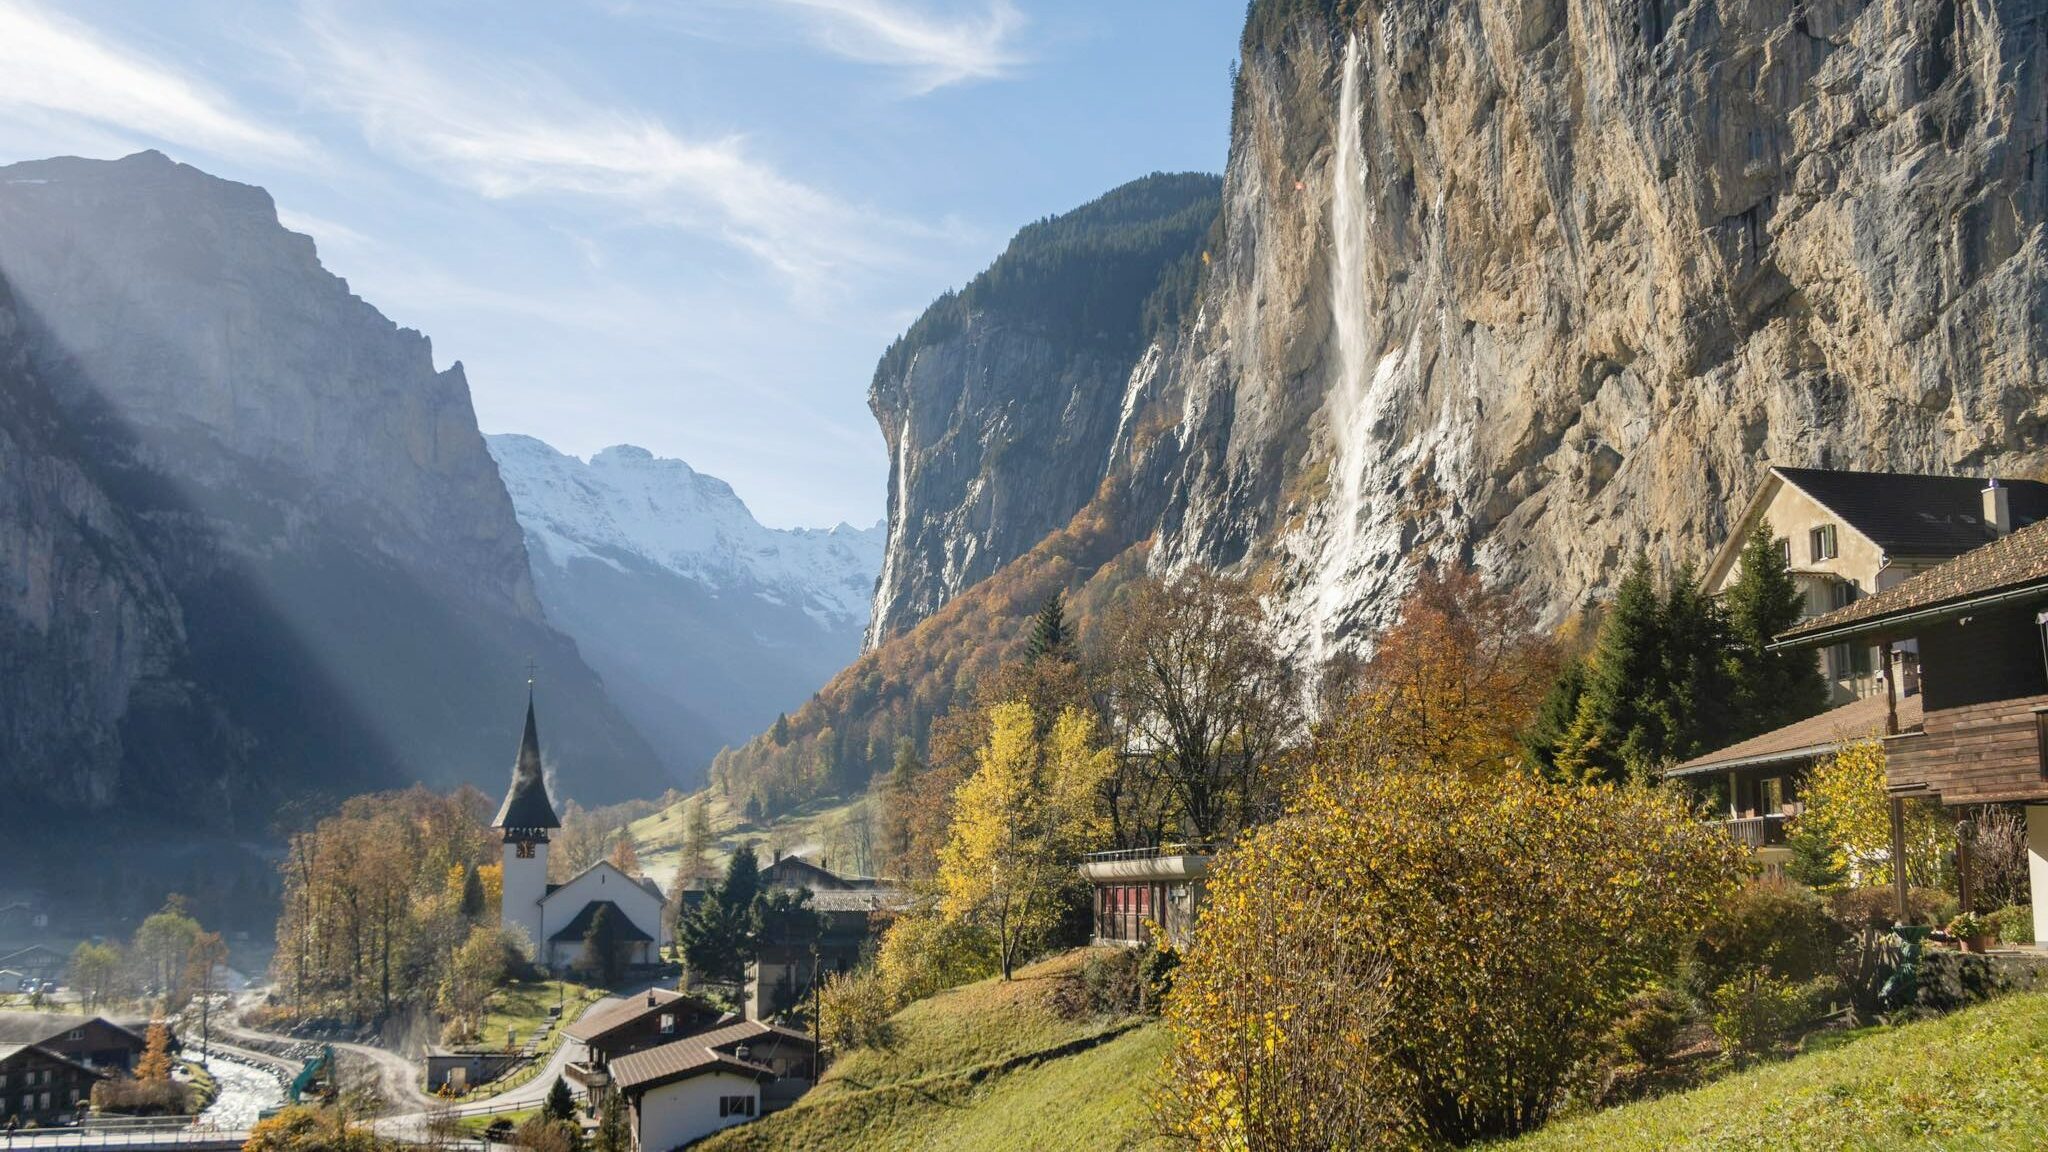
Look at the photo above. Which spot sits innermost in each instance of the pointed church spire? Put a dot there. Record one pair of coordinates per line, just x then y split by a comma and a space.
527, 806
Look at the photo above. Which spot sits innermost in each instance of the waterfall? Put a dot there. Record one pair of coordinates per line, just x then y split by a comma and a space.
1350, 420
899, 523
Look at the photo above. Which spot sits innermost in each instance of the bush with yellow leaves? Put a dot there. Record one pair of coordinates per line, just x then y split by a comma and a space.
1412, 957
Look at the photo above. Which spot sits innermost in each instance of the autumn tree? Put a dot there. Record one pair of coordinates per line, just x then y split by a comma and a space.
1201, 694
1008, 865
95, 969
1494, 926
155, 1062
162, 943
625, 857
472, 974
698, 841
1452, 684
1848, 810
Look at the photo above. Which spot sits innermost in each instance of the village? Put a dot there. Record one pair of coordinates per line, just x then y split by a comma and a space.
1873, 856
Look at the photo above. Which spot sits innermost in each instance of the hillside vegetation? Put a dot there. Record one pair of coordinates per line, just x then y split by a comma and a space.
1975, 1080
994, 1065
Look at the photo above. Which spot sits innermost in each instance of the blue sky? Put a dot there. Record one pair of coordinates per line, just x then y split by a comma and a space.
692, 225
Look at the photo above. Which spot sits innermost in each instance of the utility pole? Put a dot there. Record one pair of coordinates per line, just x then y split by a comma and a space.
817, 1019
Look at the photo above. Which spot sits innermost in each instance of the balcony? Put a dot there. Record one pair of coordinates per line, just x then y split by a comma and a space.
1758, 831
1166, 862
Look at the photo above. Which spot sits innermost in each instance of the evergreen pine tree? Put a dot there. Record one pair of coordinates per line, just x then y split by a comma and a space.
560, 1105
780, 731
1698, 692
1772, 689
717, 936
1554, 716
1050, 633
1622, 715
613, 1133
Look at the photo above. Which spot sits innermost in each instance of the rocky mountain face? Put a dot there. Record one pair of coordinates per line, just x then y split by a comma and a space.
251, 542
704, 623
1544, 283
1000, 404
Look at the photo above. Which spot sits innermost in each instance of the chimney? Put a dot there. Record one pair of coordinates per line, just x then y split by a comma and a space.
1997, 508
650, 997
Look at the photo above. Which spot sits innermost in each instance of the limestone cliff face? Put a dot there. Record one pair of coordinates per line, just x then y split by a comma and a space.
1000, 404
320, 579
1543, 283
1605, 259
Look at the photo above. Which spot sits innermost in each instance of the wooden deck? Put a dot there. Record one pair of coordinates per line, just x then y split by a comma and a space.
1976, 754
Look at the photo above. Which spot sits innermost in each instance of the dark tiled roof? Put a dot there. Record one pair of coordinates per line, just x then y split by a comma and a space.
599, 1021
1805, 739
36, 1027
2009, 564
623, 927
526, 801
1911, 515
703, 1052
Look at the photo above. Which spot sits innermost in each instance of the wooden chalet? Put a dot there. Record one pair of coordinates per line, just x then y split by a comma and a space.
1980, 627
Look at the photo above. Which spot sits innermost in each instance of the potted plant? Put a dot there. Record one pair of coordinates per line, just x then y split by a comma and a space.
1973, 930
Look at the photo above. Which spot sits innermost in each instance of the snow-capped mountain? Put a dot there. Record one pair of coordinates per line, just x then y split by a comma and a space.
703, 622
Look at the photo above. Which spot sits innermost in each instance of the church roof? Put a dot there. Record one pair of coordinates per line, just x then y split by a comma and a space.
623, 927
526, 801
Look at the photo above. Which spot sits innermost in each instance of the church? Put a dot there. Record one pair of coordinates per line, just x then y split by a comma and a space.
556, 918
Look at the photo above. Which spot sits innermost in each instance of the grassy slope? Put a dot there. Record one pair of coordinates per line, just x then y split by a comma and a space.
659, 838
1975, 1080
988, 1066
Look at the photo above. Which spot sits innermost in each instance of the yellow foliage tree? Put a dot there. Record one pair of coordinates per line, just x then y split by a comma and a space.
1848, 809
1416, 956
155, 1063
1016, 824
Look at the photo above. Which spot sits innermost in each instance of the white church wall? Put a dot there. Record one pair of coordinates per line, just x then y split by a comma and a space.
602, 881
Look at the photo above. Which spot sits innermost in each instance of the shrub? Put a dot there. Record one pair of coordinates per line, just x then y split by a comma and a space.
1110, 982
131, 1097
1771, 924
1650, 1025
1998, 857
1877, 907
1754, 1011
1968, 926
925, 954
1397, 961
854, 1010
301, 1129
2014, 924
546, 1134
1866, 962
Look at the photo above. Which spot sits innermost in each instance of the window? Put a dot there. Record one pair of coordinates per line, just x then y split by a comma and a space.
668, 1023
735, 1106
75, 1034
1785, 550
1821, 543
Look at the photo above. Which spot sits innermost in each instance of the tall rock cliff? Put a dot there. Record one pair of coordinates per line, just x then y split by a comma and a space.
317, 576
1543, 283
704, 623
999, 405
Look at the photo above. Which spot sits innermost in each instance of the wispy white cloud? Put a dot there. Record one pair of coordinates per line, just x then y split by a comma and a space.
506, 129
54, 67
932, 50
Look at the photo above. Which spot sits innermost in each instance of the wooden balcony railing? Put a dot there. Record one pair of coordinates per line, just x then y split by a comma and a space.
1757, 831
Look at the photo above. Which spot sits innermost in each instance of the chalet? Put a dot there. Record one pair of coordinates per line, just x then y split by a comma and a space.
851, 910
40, 1088
678, 1092
657, 1017
1849, 535
1763, 776
37, 961
1979, 625
1138, 889
92, 1041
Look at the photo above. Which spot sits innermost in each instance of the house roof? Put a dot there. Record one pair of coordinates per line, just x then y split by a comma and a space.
526, 803
707, 1051
2012, 567
861, 900
1907, 514
641, 882
622, 925
9, 1051
1806, 739
599, 1021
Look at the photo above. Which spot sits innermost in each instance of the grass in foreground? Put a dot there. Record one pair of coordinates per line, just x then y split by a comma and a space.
989, 1066
1976, 1080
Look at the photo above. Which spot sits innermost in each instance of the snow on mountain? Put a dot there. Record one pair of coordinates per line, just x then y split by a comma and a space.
703, 622
626, 503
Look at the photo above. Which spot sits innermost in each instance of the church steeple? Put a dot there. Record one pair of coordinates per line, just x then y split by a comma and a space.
527, 808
